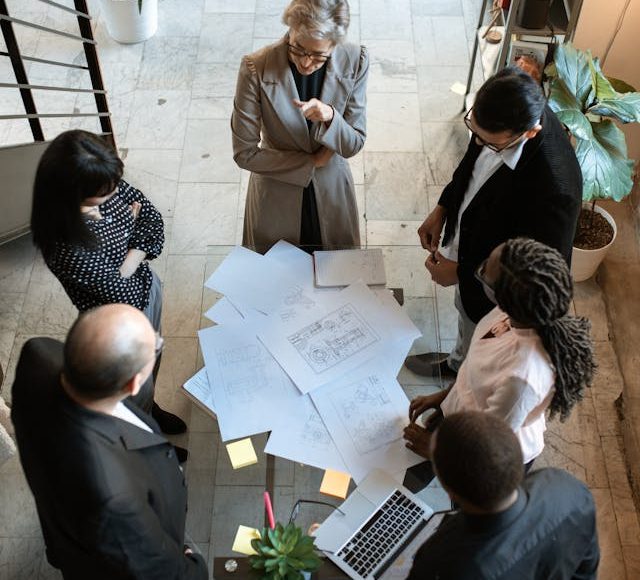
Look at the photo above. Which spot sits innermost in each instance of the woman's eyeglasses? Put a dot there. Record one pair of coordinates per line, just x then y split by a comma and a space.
301, 53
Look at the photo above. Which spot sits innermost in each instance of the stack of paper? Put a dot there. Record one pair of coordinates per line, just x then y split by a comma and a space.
315, 366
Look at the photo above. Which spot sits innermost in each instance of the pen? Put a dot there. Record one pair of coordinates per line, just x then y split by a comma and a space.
267, 506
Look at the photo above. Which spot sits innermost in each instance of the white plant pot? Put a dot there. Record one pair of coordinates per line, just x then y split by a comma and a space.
584, 263
125, 24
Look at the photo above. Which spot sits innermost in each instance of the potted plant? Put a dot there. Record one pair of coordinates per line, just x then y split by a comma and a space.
130, 21
589, 104
284, 553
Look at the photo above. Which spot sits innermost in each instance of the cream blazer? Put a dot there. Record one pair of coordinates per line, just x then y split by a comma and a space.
271, 139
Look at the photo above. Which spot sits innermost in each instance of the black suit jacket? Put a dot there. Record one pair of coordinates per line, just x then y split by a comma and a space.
548, 534
111, 497
539, 199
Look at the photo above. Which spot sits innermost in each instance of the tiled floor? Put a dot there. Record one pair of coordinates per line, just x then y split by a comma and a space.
171, 99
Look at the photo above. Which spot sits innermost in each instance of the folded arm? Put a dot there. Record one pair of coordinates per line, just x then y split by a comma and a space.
294, 167
346, 133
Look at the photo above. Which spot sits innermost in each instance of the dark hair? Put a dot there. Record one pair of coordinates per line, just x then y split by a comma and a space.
478, 457
534, 287
100, 375
509, 101
76, 165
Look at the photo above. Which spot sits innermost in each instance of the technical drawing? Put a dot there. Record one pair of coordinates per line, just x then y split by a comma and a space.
334, 338
246, 372
294, 302
314, 433
367, 413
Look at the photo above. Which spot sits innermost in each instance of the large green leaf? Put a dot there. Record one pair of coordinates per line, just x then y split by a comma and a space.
603, 88
573, 67
624, 107
606, 171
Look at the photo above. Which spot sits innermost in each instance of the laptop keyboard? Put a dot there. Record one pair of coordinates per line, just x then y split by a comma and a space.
381, 534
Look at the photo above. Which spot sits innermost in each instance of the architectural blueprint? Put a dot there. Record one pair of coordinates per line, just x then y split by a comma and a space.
335, 337
248, 385
300, 435
331, 339
366, 412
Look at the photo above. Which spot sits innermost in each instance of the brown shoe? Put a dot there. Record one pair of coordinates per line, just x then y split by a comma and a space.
430, 364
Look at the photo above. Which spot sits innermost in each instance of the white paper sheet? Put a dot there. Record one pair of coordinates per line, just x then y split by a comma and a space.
223, 312
325, 343
251, 279
299, 434
249, 387
199, 387
366, 412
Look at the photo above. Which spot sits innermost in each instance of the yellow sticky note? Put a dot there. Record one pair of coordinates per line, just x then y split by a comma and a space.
242, 543
335, 483
242, 453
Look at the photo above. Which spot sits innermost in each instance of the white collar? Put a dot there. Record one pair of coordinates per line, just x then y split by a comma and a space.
511, 155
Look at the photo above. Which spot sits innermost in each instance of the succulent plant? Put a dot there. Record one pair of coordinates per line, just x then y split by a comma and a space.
283, 553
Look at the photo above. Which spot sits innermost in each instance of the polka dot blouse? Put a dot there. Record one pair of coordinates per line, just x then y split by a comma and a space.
91, 277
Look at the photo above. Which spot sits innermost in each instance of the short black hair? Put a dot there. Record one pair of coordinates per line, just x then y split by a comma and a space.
510, 100
102, 376
75, 166
478, 457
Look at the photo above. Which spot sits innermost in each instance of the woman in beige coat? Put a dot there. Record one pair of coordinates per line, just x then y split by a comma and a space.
299, 113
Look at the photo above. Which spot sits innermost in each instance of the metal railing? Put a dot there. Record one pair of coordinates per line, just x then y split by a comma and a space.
22, 84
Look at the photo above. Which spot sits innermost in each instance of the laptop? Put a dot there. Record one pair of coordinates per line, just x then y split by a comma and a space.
372, 527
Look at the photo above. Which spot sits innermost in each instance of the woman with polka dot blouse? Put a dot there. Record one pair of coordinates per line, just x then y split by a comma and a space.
97, 233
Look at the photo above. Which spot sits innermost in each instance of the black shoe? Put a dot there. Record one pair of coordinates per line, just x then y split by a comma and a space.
168, 422
430, 364
181, 453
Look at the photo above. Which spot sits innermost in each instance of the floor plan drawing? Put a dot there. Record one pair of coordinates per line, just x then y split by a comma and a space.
249, 371
367, 414
333, 338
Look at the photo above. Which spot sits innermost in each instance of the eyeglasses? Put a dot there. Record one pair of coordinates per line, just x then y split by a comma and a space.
301, 53
480, 272
492, 146
159, 344
296, 507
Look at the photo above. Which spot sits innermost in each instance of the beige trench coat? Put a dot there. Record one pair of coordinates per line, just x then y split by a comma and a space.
271, 139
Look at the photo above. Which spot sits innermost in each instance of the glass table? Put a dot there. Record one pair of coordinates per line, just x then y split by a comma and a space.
221, 498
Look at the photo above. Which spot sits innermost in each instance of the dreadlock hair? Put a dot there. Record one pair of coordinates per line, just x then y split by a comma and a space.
534, 288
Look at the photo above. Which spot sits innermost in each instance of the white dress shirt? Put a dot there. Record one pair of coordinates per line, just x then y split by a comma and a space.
510, 375
487, 163
125, 414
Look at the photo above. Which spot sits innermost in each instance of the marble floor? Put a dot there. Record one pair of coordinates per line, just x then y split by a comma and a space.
171, 99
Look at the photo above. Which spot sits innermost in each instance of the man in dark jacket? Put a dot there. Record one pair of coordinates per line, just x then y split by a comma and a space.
540, 528
110, 493
519, 177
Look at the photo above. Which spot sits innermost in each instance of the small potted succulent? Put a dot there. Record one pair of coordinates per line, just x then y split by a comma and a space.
284, 553
130, 21
591, 105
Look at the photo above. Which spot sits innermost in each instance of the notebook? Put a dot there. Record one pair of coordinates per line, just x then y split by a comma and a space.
344, 267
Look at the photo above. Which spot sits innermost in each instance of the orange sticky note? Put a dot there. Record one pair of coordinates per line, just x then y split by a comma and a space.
335, 483
242, 453
242, 543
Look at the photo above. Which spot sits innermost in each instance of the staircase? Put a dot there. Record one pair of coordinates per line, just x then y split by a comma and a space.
45, 88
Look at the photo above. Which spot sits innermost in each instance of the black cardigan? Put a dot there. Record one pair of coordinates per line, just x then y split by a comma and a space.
539, 199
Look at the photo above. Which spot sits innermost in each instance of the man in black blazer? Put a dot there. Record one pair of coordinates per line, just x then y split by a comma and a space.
538, 528
519, 177
110, 493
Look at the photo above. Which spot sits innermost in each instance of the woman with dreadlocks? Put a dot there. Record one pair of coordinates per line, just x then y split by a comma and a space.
526, 356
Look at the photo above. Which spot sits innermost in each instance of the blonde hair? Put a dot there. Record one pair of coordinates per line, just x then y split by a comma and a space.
318, 19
